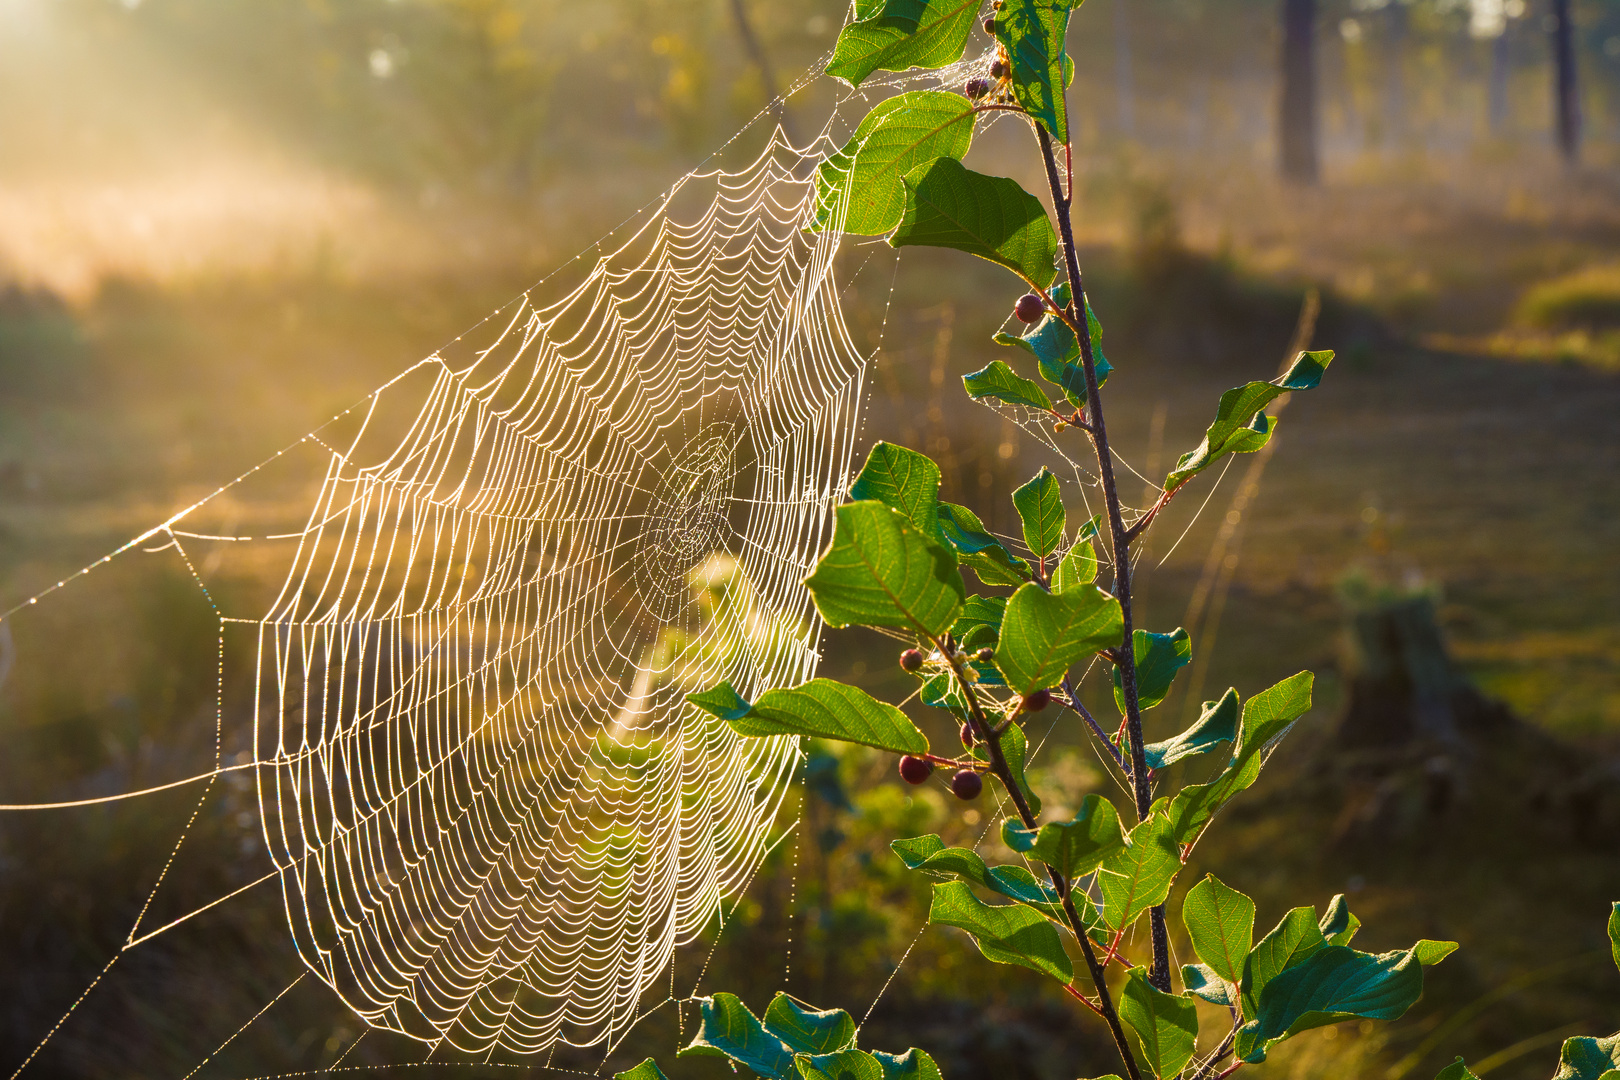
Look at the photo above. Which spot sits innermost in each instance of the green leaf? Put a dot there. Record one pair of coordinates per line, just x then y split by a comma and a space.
1266, 716
1200, 980
1166, 1024
1073, 847
1430, 953
914, 1064
1043, 634
848, 1064
978, 550
905, 481
894, 138
979, 625
881, 570
1339, 924
729, 1030
1291, 941
988, 216
1033, 33
1011, 934
1139, 875
647, 1070
1586, 1058
824, 709
1220, 922
722, 701
806, 1030
1078, 566
1240, 427
1040, 508
1218, 723
929, 856
901, 34
1001, 382
1057, 351
1614, 933
1158, 658
1456, 1071
1015, 749
1335, 983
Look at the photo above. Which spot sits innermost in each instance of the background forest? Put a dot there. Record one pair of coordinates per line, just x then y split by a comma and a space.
223, 220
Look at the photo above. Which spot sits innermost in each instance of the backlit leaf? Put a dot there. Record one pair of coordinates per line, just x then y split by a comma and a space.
850, 1064
898, 34
929, 856
1057, 351
997, 380
1456, 1071
806, 1030
1139, 875
647, 1070
1015, 749
1335, 983
914, 1064
728, 1029
882, 570
1614, 933
1040, 508
1073, 847
1033, 33
1201, 981
1043, 634
1586, 1058
822, 708
1339, 924
1217, 723
978, 551
1291, 941
1078, 566
895, 137
1158, 658
1009, 934
988, 216
902, 480
1220, 922
1165, 1024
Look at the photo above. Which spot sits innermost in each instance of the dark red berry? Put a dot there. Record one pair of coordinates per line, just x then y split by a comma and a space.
985, 655
914, 770
912, 660
990, 27
967, 784
977, 88
1030, 308
998, 70
1038, 700
967, 736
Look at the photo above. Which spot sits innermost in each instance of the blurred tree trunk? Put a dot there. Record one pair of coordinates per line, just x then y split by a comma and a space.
762, 60
1566, 96
1395, 75
1297, 121
1124, 87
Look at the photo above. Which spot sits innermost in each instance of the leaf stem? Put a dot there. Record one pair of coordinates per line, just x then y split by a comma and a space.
1159, 971
991, 737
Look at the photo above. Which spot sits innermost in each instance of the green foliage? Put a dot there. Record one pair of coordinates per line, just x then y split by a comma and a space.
1015, 750
1217, 723
1078, 566
978, 551
989, 216
844, 1065
881, 570
1456, 1071
997, 380
821, 708
727, 1029
895, 137
1586, 1058
1040, 510
1201, 981
1056, 350
1614, 933
647, 1070
1220, 922
912, 1065
1240, 427
929, 856
1033, 33
905, 481
1291, 941
1158, 658
979, 625
1138, 875
1074, 847
893, 35
1009, 934
1043, 634
807, 1030
795, 1042
1165, 1024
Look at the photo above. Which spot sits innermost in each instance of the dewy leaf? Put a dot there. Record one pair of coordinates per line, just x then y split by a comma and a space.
1015, 749
903, 480
1218, 723
728, 1029
914, 1064
1078, 566
978, 551
1614, 933
1339, 924
881, 570
1073, 847
1220, 922
1240, 426
929, 856
900, 34
822, 708
1201, 981
1007, 935
1040, 509
1266, 716
894, 138
1166, 1024
1033, 33
1139, 875
1158, 658
1335, 983
1291, 941
647, 1070
988, 216
1456, 1071
806, 1030
1586, 1058
850, 1064
1043, 634
1057, 351
1001, 382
